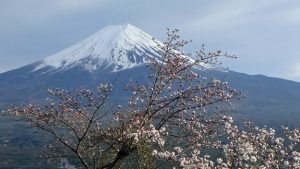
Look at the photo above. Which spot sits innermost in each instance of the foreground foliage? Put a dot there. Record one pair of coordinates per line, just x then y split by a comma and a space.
178, 120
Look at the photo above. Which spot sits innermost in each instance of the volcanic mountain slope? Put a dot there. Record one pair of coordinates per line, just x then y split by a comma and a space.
112, 50
119, 53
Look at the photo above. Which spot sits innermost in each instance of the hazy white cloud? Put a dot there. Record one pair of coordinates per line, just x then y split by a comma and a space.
289, 15
33, 12
226, 14
218, 19
297, 71
294, 72
75, 4
45, 6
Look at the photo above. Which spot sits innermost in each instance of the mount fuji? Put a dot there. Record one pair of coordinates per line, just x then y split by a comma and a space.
118, 53
114, 48
113, 52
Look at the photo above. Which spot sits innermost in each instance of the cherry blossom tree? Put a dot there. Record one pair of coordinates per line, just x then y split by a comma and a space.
177, 120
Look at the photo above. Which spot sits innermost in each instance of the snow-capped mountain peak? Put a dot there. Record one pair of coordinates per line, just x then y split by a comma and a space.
114, 47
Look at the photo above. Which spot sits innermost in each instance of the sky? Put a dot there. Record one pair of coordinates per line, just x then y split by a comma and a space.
263, 34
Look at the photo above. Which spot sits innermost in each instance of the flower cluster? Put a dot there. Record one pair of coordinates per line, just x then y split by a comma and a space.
147, 133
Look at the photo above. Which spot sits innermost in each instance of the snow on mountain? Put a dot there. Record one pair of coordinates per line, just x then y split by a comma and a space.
116, 47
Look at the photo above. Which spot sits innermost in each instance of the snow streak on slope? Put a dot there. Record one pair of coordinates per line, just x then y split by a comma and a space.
115, 47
